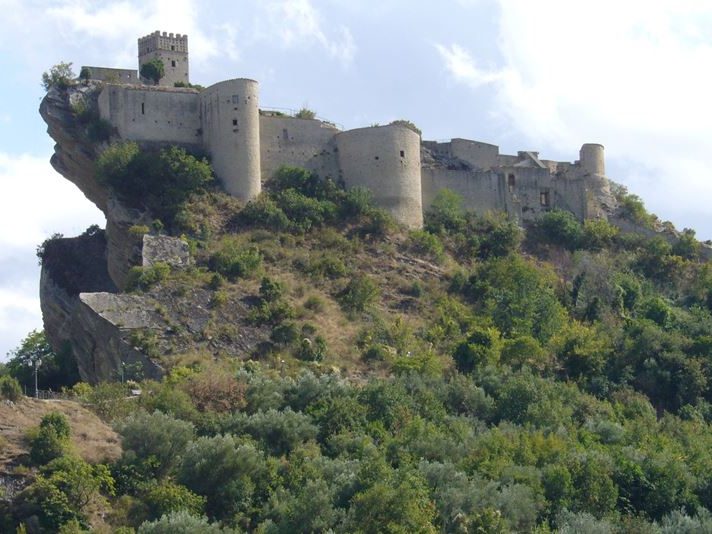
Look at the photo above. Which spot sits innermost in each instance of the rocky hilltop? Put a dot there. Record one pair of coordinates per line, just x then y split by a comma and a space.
110, 331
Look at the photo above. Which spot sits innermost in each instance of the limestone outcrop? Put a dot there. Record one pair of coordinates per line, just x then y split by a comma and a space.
74, 155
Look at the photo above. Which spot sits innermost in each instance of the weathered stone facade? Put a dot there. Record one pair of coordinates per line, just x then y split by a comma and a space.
248, 145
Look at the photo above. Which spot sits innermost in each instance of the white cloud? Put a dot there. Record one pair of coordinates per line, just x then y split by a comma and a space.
299, 23
35, 202
628, 74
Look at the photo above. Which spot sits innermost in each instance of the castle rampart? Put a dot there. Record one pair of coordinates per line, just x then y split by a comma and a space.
386, 160
144, 113
303, 143
403, 173
231, 133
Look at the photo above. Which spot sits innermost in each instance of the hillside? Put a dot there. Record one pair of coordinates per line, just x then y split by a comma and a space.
308, 365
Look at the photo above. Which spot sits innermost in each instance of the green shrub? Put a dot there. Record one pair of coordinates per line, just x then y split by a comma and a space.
598, 234
358, 293
10, 388
180, 522
60, 76
51, 440
423, 242
157, 436
561, 228
145, 341
144, 278
311, 350
166, 497
305, 113
161, 180
482, 347
446, 214
235, 261
314, 303
265, 213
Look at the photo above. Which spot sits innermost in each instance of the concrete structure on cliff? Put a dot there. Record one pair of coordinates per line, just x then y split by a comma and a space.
247, 145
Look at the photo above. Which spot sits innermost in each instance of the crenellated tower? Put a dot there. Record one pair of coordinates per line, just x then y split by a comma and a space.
169, 48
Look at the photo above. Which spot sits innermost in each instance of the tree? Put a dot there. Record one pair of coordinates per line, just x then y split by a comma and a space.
153, 70
51, 440
85, 75
59, 76
54, 369
157, 436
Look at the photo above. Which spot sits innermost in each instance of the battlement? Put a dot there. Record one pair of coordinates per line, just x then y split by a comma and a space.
162, 41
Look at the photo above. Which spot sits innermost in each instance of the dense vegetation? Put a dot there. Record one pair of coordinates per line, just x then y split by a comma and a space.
467, 377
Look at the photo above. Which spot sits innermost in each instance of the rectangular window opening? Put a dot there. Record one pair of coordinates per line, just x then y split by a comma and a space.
143, 108
544, 198
285, 134
402, 153
234, 122
173, 63
235, 99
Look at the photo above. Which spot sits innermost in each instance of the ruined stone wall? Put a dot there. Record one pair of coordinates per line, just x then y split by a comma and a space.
386, 160
481, 191
152, 114
231, 133
297, 142
106, 74
479, 155
524, 193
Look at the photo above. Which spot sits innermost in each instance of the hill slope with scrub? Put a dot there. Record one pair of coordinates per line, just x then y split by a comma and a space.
306, 365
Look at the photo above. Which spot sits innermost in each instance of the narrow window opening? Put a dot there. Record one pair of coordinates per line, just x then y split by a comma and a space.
173, 63
511, 182
235, 99
285, 134
402, 153
544, 198
143, 108
173, 48
234, 122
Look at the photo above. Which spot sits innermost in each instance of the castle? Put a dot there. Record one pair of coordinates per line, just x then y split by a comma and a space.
404, 173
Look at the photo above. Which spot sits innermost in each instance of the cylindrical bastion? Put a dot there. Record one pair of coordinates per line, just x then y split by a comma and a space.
386, 160
231, 133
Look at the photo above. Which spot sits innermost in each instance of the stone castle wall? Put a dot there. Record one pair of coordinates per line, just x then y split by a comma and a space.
303, 143
144, 113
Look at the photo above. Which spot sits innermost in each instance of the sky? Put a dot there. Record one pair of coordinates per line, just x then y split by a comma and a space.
547, 76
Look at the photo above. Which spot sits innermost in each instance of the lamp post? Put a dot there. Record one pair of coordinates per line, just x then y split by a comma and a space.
36, 364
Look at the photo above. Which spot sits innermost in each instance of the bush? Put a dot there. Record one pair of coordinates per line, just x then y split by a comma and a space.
161, 180
51, 440
425, 243
10, 388
166, 497
305, 113
446, 214
155, 436
235, 261
60, 76
561, 228
358, 293
144, 278
180, 522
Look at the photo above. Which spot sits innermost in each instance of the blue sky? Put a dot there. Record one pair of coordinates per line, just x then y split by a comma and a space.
546, 75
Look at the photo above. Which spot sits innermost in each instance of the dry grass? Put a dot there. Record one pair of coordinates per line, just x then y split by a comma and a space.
92, 439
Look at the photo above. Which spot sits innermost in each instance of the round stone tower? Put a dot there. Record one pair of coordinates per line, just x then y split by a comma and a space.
592, 160
386, 160
231, 133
